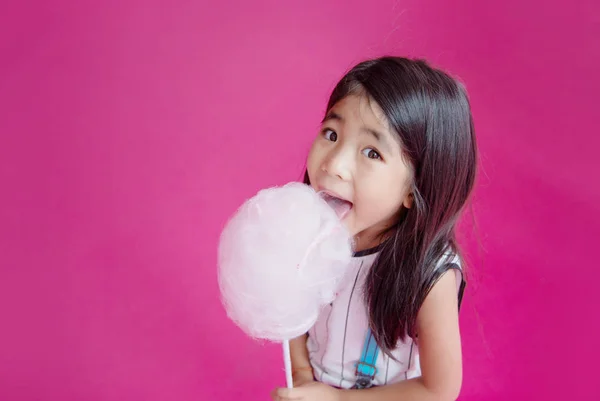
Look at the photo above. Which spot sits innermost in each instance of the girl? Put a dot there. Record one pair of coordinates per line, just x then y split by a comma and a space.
397, 147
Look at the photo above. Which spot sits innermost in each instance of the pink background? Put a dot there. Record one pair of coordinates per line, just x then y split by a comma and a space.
131, 131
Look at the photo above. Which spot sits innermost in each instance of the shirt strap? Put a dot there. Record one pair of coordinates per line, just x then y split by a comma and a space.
365, 368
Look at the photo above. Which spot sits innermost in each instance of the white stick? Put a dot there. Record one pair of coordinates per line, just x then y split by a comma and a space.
288, 364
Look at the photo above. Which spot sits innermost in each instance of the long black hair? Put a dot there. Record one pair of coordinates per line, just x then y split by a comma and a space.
430, 113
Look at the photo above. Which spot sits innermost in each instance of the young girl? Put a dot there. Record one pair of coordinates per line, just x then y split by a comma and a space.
396, 145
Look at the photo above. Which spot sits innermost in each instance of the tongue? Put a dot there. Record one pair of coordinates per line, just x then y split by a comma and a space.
340, 206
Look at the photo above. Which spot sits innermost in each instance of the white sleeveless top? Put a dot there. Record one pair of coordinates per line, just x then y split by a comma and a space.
335, 342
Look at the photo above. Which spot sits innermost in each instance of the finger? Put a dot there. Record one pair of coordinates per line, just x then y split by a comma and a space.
290, 393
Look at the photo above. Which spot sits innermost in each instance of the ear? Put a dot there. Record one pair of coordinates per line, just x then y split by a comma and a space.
408, 201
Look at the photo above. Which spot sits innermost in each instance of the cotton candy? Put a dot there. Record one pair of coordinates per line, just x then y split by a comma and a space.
281, 258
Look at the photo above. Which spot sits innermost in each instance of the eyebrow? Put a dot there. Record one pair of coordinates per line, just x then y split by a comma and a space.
379, 137
332, 116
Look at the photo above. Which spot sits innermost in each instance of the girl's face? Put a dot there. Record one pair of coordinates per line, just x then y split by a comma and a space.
357, 157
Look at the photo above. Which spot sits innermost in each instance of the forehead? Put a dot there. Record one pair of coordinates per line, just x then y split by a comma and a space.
361, 109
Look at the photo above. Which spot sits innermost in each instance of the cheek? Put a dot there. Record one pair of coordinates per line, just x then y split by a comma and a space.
313, 159
381, 199
373, 209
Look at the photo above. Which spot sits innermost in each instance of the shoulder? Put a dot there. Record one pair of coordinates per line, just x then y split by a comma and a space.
451, 264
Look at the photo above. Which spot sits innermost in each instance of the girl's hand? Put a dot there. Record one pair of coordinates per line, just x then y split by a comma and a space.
309, 391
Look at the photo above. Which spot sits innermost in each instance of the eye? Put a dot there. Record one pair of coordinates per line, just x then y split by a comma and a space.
330, 135
371, 153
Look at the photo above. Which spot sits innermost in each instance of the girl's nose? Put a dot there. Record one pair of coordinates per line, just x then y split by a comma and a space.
338, 164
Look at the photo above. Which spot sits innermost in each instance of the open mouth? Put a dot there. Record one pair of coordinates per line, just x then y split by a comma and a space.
341, 206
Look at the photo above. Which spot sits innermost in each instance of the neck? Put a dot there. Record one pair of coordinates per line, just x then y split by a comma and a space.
363, 242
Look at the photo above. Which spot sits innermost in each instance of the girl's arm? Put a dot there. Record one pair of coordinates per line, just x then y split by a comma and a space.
301, 369
440, 357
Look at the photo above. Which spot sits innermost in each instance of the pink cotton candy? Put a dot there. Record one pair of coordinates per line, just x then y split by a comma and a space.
282, 257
